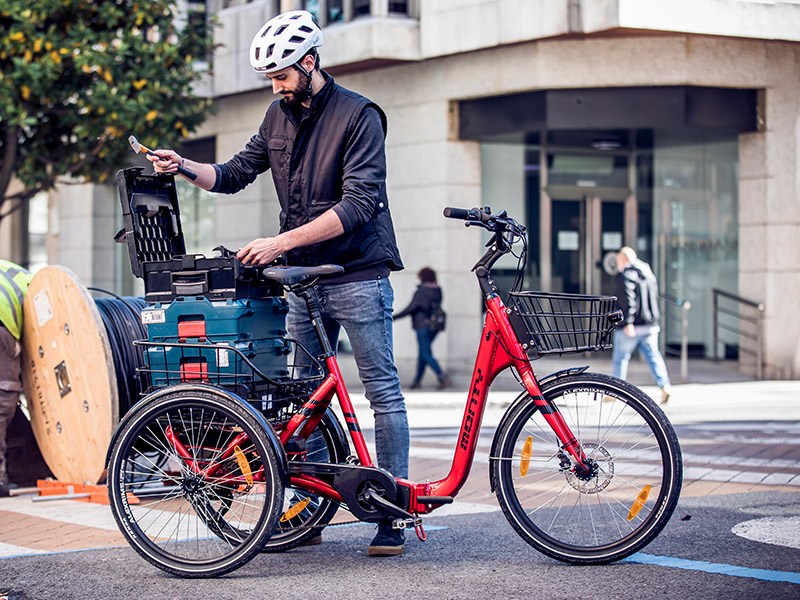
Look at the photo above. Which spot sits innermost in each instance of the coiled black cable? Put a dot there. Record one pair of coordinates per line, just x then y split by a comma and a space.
123, 322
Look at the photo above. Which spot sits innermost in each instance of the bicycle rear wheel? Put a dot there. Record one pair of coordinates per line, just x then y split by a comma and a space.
608, 513
193, 483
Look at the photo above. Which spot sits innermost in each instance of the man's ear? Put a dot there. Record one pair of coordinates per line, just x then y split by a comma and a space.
308, 62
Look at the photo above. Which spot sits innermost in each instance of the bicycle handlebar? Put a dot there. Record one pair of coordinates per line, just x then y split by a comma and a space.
483, 217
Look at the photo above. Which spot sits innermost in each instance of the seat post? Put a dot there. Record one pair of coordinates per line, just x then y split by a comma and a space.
315, 314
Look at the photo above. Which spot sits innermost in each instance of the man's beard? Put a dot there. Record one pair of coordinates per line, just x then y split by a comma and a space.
299, 94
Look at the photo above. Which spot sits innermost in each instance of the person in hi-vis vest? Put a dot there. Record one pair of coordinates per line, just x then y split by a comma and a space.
14, 282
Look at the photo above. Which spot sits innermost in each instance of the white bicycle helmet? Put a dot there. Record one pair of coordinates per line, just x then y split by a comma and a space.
284, 40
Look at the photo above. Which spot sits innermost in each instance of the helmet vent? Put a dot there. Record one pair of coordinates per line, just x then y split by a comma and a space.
266, 32
305, 29
296, 39
258, 52
280, 30
270, 48
287, 52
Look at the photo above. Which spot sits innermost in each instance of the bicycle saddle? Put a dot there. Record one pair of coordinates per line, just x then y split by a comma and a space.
292, 275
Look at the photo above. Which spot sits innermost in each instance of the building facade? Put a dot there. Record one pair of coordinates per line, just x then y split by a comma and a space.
672, 127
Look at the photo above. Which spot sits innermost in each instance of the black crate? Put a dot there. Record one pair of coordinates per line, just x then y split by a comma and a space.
216, 278
152, 231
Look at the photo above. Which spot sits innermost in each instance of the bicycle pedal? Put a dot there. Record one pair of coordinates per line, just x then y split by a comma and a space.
407, 523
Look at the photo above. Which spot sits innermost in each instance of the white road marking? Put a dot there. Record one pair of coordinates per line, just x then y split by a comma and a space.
778, 531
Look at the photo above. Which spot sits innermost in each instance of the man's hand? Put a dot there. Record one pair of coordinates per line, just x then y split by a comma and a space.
167, 161
630, 330
261, 251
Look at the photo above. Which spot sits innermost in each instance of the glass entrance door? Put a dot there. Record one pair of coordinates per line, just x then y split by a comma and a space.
587, 232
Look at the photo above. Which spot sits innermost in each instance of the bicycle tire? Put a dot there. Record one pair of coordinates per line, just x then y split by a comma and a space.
325, 444
600, 517
185, 524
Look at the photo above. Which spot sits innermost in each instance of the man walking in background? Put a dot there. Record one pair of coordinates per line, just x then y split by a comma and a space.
637, 295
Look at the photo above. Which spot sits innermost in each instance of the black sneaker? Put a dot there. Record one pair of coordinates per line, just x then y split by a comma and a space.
388, 542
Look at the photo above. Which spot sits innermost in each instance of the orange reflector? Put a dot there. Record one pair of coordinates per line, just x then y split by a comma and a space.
243, 465
639, 502
526, 456
295, 510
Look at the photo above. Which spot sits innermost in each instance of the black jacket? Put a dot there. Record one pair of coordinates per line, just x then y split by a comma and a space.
421, 306
332, 158
637, 294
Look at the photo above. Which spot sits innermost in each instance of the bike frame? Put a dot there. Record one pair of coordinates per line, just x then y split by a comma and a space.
498, 350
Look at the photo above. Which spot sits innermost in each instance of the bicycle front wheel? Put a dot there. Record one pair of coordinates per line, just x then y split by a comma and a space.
629, 491
193, 483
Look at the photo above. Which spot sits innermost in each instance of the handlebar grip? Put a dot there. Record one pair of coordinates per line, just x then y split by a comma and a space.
458, 213
466, 214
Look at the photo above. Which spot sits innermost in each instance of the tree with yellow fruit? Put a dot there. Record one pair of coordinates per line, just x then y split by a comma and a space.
78, 76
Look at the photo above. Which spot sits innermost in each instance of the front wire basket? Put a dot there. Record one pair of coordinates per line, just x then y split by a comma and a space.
551, 323
284, 389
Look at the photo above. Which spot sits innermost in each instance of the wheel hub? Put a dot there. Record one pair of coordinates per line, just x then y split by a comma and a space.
597, 473
192, 484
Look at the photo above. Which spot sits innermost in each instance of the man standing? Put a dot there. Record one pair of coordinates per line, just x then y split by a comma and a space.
637, 294
14, 282
325, 147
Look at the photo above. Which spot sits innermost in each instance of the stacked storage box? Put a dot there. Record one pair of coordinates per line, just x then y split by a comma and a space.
253, 329
198, 304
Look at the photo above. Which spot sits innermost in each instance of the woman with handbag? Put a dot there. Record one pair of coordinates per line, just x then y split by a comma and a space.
428, 319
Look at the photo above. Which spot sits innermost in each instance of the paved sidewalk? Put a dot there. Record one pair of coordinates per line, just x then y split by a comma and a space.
724, 452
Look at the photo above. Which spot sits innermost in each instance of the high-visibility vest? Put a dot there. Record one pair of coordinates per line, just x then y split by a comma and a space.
14, 282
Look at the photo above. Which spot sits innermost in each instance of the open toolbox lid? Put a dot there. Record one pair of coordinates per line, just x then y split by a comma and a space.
157, 250
152, 225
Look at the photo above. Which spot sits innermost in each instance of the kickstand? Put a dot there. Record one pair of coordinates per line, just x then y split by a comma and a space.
420, 531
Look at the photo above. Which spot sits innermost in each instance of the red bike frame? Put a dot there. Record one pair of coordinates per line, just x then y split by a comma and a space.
499, 349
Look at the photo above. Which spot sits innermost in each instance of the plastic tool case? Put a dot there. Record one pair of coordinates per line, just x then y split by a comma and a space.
152, 230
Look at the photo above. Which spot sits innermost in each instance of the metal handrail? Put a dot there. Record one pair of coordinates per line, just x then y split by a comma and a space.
685, 306
757, 321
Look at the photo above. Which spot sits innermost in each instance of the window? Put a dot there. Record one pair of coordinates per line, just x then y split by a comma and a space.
361, 8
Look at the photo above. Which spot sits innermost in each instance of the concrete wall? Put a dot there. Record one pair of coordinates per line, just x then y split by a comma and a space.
769, 209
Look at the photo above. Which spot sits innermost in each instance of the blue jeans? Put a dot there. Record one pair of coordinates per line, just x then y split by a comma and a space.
364, 309
425, 357
647, 344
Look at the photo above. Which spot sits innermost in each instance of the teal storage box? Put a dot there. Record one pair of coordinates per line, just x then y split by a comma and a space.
191, 318
227, 365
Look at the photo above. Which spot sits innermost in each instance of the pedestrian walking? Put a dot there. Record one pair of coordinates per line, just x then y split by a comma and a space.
14, 282
325, 147
637, 295
427, 319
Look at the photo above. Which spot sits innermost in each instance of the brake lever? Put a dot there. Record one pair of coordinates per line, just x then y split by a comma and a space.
479, 224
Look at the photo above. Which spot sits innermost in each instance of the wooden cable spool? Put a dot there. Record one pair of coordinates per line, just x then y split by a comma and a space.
68, 376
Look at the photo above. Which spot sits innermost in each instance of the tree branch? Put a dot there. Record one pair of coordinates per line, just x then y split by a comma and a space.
10, 141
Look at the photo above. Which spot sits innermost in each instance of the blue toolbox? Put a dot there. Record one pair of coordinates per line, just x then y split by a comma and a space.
199, 318
231, 364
